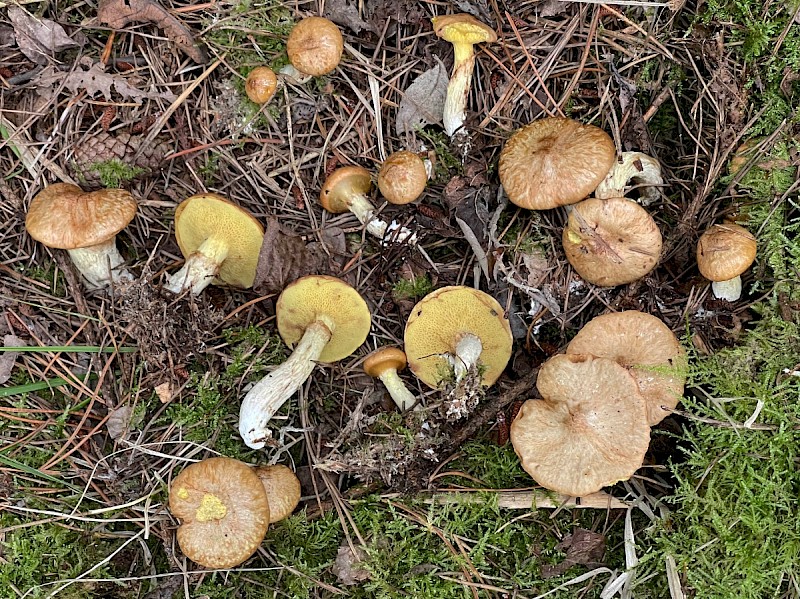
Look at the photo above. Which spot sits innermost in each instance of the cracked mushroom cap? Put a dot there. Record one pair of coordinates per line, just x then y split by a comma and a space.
383, 359
224, 512
341, 185
725, 251
315, 46
207, 215
646, 347
589, 431
611, 242
282, 488
462, 29
402, 177
439, 321
554, 162
308, 298
64, 216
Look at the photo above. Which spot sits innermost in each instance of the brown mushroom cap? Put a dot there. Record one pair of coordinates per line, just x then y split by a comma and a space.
554, 162
261, 85
66, 217
384, 359
315, 46
462, 29
402, 177
311, 297
611, 242
202, 216
224, 512
341, 185
282, 488
725, 251
590, 431
646, 347
442, 318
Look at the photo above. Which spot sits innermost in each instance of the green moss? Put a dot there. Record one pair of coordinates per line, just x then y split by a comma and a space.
114, 172
446, 161
413, 289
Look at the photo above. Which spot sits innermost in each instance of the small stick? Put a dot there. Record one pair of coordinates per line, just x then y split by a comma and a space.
526, 500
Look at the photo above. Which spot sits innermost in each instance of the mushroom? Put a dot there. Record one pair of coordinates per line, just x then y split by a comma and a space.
402, 177
611, 242
224, 511
327, 320
220, 241
463, 31
724, 252
346, 189
384, 363
554, 162
636, 171
261, 85
454, 329
315, 46
63, 216
282, 488
647, 348
589, 431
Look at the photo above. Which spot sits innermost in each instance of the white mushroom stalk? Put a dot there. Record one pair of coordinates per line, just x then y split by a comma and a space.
468, 351
270, 393
364, 211
730, 290
100, 264
397, 389
634, 170
200, 268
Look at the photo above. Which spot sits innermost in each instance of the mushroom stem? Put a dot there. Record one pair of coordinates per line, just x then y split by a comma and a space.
364, 211
730, 290
291, 72
468, 350
270, 393
99, 264
633, 170
455, 103
200, 268
397, 389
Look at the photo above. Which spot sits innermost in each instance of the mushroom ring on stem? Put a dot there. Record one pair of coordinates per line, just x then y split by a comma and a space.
346, 189
221, 242
384, 363
454, 329
724, 252
463, 31
633, 170
554, 162
63, 216
324, 320
224, 511
589, 431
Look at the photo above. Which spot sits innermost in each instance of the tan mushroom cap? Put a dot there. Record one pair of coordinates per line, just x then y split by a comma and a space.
282, 488
462, 29
224, 512
202, 216
315, 46
725, 251
611, 242
439, 321
646, 347
311, 297
554, 162
261, 84
64, 216
341, 185
383, 359
590, 431
402, 177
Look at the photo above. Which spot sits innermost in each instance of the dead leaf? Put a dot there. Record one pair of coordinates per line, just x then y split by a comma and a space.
346, 14
38, 39
9, 358
551, 8
164, 392
347, 566
583, 547
119, 13
119, 420
423, 101
535, 262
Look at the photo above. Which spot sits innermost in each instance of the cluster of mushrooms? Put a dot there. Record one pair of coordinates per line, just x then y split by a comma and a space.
619, 376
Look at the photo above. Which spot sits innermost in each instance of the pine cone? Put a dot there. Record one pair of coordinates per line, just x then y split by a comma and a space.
107, 160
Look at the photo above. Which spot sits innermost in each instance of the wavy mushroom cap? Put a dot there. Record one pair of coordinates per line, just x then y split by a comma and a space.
261, 85
64, 216
554, 162
725, 251
341, 185
462, 29
224, 512
441, 319
611, 242
282, 488
402, 177
309, 298
589, 431
646, 347
315, 46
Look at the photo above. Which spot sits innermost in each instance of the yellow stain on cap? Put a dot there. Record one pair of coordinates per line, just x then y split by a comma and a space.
182, 493
211, 508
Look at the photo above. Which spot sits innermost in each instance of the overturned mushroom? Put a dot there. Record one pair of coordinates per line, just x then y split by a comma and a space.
724, 252
383, 364
634, 171
327, 320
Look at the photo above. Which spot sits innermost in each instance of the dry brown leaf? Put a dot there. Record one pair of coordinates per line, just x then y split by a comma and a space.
346, 14
119, 13
582, 547
164, 392
38, 39
119, 419
423, 101
9, 358
347, 567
